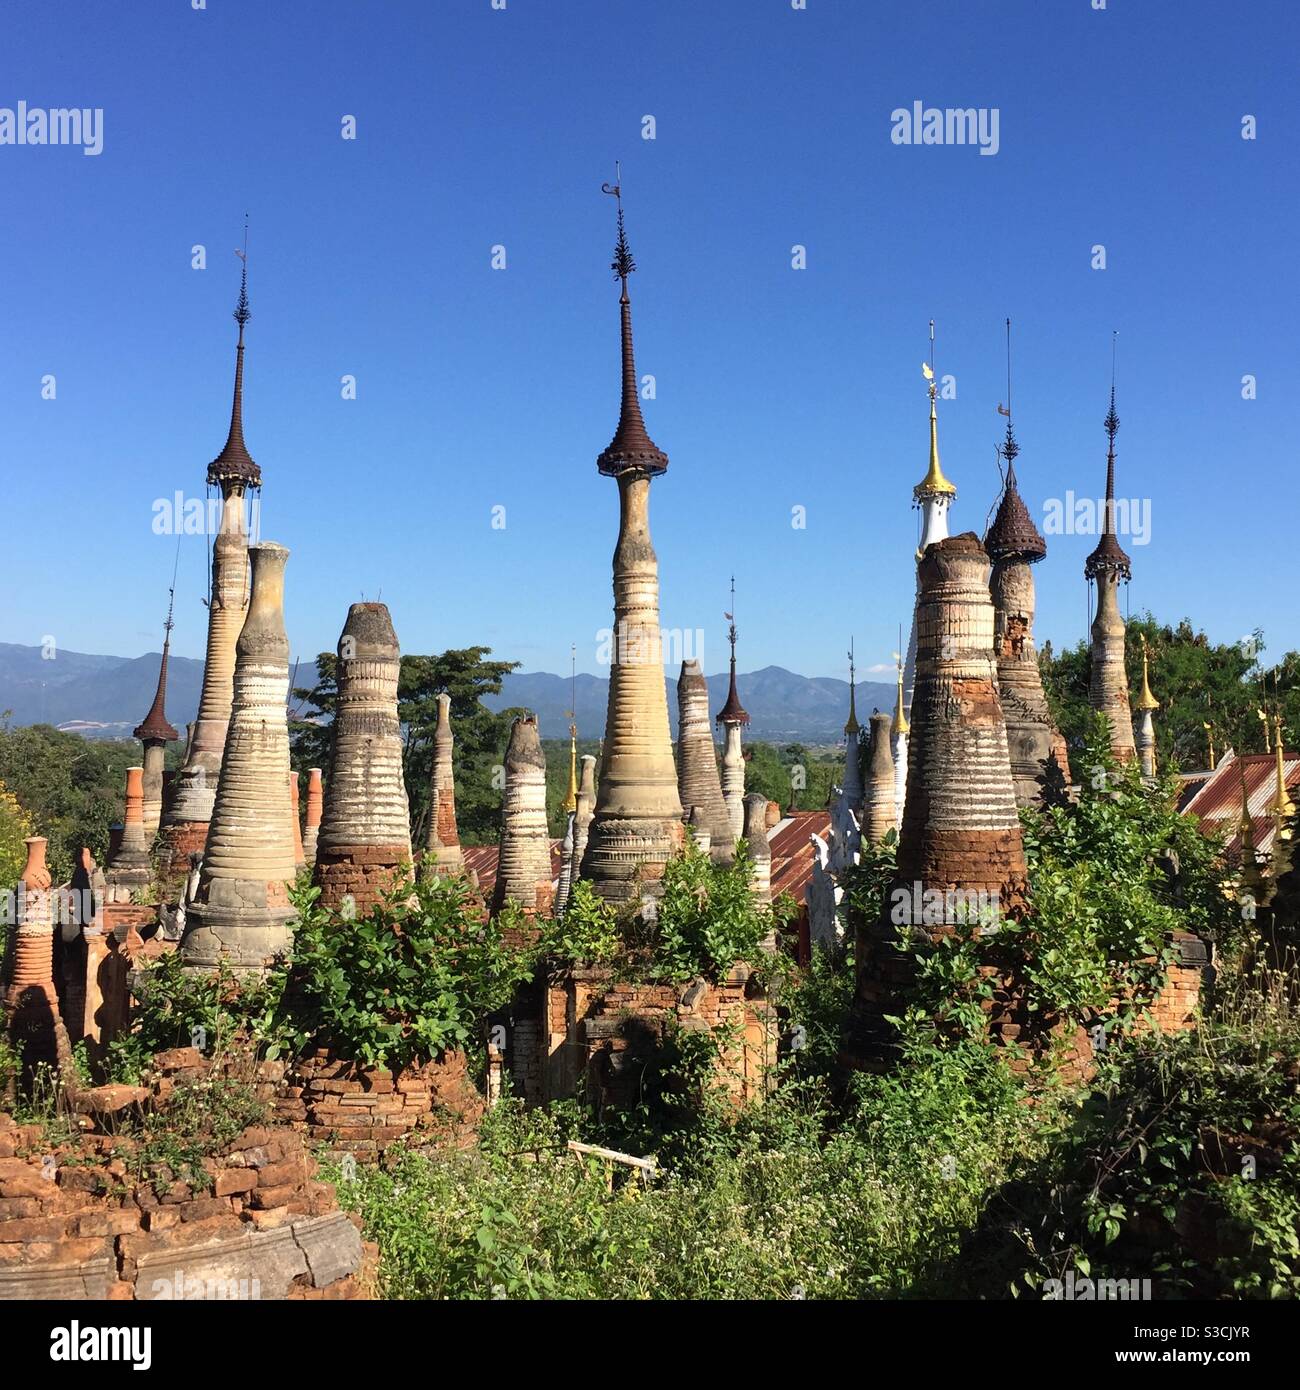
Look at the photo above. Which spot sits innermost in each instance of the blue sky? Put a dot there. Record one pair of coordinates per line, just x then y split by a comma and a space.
776, 388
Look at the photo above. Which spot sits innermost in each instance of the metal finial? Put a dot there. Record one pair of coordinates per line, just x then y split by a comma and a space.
731, 618
623, 263
242, 312
1010, 449
1112, 420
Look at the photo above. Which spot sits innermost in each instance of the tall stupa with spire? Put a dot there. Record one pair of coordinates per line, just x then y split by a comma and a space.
155, 733
637, 826
235, 473
733, 717
934, 495
1107, 565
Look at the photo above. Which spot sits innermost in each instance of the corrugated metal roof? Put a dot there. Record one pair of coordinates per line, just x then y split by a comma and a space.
483, 860
792, 851
1218, 802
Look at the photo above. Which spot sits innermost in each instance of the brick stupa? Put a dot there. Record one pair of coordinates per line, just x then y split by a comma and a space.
241, 910
364, 846
524, 862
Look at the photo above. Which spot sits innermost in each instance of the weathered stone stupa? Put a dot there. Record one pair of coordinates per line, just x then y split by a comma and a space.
363, 848
185, 822
878, 798
899, 731
960, 855
241, 908
934, 495
442, 849
564, 884
524, 862
1108, 564
697, 761
155, 733
311, 821
733, 718
582, 816
637, 826
1014, 544
760, 849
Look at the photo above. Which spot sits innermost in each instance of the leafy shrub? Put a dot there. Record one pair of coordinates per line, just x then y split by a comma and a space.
416, 976
588, 932
706, 918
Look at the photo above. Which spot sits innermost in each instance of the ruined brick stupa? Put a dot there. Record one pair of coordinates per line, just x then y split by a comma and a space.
878, 796
1108, 564
442, 851
1039, 762
241, 910
697, 762
637, 826
524, 861
363, 848
934, 495
185, 822
960, 852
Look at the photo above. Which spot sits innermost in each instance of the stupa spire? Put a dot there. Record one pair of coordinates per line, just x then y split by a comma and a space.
637, 826
733, 718
234, 464
631, 447
934, 484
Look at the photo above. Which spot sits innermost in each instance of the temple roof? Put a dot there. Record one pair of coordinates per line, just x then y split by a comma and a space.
733, 712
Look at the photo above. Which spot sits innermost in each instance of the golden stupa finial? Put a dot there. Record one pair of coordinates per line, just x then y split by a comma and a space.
571, 800
1209, 734
1146, 700
899, 724
934, 484
1251, 876
1283, 806
852, 727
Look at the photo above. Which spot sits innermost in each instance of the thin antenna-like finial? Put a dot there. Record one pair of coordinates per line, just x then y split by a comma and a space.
623, 263
242, 313
1112, 420
1010, 449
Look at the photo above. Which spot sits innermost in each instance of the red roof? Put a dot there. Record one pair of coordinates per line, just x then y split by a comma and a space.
1218, 802
792, 851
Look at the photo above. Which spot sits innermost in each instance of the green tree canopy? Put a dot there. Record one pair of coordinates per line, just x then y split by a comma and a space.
466, 675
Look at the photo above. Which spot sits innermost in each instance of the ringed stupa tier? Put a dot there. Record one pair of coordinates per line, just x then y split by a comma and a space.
235, 473
733, 718
155, 733
524, 861
241, 911
878, 798
1108, 564
697, 762
637, 826
442, 851
582, 816
363, 848
1014, 544
760, 848
899, 729
31, 1001
934, 495
961, 844
128, 867
564, 883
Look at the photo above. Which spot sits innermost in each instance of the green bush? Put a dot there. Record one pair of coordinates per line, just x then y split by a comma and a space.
418, 975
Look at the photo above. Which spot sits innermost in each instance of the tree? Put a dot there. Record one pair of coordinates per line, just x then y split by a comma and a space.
72, 788
480, 735
15, 827
791, 774
1196, 681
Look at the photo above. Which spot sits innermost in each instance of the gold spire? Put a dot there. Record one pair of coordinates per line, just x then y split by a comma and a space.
1209, 734
899, 724
570, 803
1251, 877
1283, 806
934, 484
1146, 700
852, 727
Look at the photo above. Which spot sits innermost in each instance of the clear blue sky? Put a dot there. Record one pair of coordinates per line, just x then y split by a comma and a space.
776, 388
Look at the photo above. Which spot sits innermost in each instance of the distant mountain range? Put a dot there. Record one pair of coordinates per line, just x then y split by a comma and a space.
107, 696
